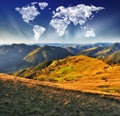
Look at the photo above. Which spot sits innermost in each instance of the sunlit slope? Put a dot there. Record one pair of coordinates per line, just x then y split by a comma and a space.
75, 68
101, 52
32, 71
46, 53
114, 58
78, 68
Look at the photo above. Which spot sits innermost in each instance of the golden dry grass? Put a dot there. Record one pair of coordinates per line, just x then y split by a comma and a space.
25, 97
85, 74
82, 73
79, 68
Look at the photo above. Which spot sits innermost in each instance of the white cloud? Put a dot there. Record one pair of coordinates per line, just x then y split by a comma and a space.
33, 3
79, 14
60, 26
43, 5
28, 13
90, 33
38, 31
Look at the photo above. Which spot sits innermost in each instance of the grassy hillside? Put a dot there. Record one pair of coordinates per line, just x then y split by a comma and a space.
74, 68
114, 58
18, 56
94, 52
101, 52
79, 72
32, 71
11, 56
46, 53
78, 48
23, 97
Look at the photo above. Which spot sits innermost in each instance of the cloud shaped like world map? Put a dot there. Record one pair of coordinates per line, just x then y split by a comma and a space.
61, 19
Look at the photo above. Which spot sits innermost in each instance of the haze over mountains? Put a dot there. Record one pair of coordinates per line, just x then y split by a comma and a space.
101, 50
45, 53
18, 56
11, 56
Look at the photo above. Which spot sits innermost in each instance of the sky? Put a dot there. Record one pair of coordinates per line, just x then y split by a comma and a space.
59, 21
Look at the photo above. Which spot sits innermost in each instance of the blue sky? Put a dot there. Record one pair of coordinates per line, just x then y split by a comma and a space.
103, 27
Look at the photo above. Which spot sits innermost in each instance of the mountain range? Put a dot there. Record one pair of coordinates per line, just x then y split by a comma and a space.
11, 56
45, 53
19, 56
101, 52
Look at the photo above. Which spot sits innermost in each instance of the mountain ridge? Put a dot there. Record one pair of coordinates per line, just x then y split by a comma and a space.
72, 68
101, 52
17, 56
45, 53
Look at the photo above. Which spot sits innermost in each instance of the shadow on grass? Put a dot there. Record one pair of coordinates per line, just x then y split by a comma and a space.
21, 99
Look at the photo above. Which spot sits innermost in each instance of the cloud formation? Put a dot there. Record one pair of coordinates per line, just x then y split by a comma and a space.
38, 31
28, 13
60, 26
90, 33
61, 19
78, 14
43, 5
